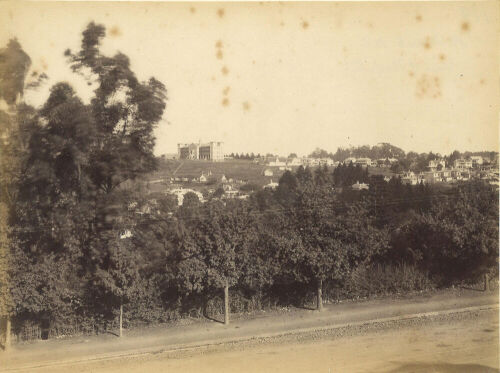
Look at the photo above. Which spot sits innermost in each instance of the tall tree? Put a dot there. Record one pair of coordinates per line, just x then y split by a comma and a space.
125, 112
207, 260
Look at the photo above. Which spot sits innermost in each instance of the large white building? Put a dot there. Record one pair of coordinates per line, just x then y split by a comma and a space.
210, 151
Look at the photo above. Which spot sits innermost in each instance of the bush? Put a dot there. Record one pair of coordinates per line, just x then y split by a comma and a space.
382, 279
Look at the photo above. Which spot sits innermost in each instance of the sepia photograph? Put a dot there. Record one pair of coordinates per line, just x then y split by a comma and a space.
249, 186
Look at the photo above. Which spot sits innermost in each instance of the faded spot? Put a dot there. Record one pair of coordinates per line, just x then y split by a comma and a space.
370, 25
213, 78
482, 81
418, 18
411, 74
427, 43
43, 63
115, 31
219, 54
224, 70
220, 12
192, 10
225, 102
428, 86
305, 25
465, 26
253, 62
246, 106
442, 56
226, 90
282, 23
11, 15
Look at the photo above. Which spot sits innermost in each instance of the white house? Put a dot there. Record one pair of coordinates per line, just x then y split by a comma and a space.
463, 164
277, 163
364, 162
433, 164
360, 186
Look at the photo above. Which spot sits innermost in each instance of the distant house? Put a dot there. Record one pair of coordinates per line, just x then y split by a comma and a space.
271, 185
277, 163
268, 172
463, 164
446, 176
360, 186
363, 162
477, 160
311, 162
223, 179
435, 163
349, 160
294, 162
203, 178
431, 177
409, 178
326, 161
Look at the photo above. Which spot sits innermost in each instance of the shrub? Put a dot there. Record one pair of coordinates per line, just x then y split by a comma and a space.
387, 279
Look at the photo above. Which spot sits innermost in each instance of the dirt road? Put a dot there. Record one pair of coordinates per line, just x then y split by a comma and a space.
249, 332
462, 343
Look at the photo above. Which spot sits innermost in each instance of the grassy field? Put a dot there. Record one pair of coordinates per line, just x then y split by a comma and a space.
247, 171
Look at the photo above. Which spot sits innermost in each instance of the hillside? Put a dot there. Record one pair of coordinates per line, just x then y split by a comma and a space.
236, 169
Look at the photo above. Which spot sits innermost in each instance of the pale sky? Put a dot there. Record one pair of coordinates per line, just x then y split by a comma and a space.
290, 77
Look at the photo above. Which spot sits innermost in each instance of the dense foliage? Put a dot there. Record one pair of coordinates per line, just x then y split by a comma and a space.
81, 240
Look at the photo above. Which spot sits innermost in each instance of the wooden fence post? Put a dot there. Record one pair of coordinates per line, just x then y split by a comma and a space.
8, 342
226, 303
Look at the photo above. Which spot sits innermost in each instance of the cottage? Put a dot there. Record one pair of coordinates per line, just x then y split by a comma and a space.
360, 186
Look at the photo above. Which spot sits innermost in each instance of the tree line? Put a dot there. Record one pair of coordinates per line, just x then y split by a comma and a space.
81, 244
